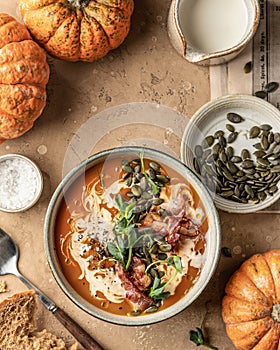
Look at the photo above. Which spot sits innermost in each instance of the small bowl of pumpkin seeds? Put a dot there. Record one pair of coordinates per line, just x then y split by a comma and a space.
233, 144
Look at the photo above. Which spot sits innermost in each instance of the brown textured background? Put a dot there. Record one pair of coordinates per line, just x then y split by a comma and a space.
145, 68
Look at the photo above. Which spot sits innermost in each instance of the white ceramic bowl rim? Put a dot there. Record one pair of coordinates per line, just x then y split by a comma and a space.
215, 104
212, 246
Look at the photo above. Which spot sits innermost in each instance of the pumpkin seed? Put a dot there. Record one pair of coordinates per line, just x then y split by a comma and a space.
277, 137
266, 127
229, 152
237, 191
249, 190
232, 137
208, 141
127, 168
275, 169
155, 166
136, 191
137, 168
162, 256
263, 162
163, 179
240, 173
261, 94
254, 132
247, 164
245, 154
230, 127
236, 159
261, 195
157, 201
248, 67
258, 146
222, 141
151, 309
250, 171
232, 167
223, 157
259, 154
270, 137
271, 87
273, 189
216, 148
135, 161
198, 151
165, 247
151, 173
264, 142
227, 174
226, 194
234, 118
242, 179
226, 252
219, 133
128, 181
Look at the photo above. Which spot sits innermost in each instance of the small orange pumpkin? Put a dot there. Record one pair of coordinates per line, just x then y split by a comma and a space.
24, 73
251, 306
75, 30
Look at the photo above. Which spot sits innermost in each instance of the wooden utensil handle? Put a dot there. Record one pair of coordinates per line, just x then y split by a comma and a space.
78, 332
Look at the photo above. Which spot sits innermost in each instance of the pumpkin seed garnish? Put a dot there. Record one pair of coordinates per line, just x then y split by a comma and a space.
261, 94
232, 137
226, 252
248, 67
230, 127
234, 118
254, 132
271, 87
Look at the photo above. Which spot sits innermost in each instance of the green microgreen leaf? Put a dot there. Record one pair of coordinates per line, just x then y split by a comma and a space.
155, 187
157, 290
197, 338
115, 251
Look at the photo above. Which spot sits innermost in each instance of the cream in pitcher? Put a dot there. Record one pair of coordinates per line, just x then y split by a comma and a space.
212, 31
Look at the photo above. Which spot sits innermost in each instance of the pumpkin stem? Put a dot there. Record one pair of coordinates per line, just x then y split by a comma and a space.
275, 313
79, 4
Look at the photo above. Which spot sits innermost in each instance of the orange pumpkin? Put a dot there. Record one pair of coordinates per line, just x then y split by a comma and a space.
24, 73
77, 29
251, 306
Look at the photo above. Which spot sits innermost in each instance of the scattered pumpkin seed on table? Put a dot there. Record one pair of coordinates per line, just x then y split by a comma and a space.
243, 178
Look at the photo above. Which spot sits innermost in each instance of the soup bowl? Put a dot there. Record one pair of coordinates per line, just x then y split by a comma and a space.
62, 200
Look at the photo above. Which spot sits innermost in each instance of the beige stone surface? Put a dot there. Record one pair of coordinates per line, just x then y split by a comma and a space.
144, 69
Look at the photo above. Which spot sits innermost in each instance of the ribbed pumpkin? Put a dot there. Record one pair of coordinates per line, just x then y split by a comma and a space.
251, 306
24, 73
75, 30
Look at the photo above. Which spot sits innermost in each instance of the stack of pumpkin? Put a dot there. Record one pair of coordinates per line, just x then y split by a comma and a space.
71, 30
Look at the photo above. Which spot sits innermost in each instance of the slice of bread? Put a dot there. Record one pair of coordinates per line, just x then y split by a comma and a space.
18, 328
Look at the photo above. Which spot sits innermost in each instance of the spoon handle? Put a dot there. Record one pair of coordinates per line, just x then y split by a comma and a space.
76, 330
79, 333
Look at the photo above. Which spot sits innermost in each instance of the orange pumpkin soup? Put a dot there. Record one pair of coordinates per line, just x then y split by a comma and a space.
130, 236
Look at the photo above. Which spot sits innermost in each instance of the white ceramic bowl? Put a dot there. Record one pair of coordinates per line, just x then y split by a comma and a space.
212, 117
21, 183
213, 236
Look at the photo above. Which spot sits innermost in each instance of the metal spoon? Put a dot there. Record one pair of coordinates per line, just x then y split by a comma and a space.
8, 265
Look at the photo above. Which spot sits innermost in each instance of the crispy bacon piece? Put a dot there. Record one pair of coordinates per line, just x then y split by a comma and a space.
171, 227
140, 279
139, 299
185, 227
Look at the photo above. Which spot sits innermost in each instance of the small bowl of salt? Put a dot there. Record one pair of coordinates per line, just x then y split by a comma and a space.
21, 183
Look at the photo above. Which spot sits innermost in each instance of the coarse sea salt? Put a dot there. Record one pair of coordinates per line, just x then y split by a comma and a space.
19, 183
